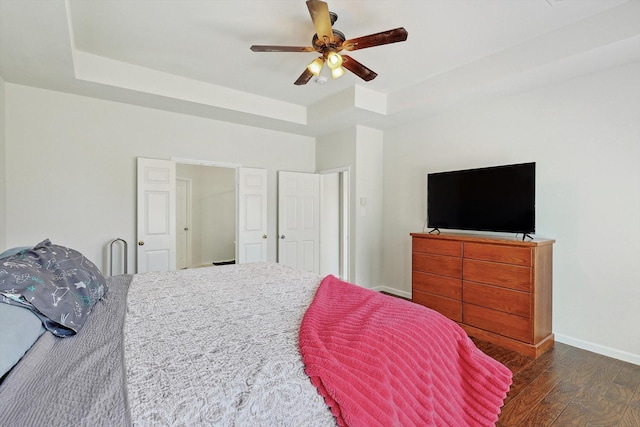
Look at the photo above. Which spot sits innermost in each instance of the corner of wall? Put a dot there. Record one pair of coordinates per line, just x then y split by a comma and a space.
369, 205
3, 169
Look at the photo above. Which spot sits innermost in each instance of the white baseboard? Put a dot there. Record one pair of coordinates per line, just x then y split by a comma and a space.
393, 291
600, 349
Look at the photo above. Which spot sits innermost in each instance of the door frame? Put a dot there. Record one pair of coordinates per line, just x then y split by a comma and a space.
205, 163
344, 248
188, 219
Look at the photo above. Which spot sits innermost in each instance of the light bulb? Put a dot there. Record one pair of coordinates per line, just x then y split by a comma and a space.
316, 66
337, 72
334, 60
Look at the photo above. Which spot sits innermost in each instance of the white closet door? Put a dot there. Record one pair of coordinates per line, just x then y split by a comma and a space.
156, 215
252, 215
298, 220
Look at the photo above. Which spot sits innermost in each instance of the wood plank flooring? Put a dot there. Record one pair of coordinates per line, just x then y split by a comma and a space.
568, 386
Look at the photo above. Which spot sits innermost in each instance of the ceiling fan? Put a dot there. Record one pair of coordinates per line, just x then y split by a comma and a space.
329, 42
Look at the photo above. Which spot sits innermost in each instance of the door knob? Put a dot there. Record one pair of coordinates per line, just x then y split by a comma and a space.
282, 236
264, 236
186, 229
140, 242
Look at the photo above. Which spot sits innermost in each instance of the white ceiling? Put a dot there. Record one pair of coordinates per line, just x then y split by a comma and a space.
193, 56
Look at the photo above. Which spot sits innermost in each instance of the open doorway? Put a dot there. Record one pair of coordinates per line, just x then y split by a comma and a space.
242, 223
334, 223
205, 215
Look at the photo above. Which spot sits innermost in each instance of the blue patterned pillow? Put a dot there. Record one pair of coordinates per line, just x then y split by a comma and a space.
58, 284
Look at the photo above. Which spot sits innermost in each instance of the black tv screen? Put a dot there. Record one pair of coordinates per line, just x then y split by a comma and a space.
498, 198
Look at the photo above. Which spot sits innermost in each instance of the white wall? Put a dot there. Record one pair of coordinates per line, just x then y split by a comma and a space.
360, 149
330, 224
71, 164
369, 205
584, 135
3, 186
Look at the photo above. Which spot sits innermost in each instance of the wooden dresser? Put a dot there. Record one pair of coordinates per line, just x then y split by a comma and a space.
498, 289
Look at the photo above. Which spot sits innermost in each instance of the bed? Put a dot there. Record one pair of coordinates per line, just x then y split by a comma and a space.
252, 344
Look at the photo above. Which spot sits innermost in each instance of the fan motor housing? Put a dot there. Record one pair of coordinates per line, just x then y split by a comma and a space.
338, 39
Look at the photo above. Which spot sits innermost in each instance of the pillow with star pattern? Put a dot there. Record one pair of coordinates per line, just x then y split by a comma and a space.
58, 284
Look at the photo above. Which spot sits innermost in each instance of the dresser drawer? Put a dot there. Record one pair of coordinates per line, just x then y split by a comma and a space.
449, 287
498, 253
438, 264
492, 273
499, 322
446, 306
435, 246
500, 299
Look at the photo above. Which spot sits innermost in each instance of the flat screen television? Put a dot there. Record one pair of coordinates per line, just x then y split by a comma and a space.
498, 198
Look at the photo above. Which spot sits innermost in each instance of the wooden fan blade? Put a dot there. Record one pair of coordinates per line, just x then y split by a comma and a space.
304, 78
385, 37
358, 69
319, 12
268, 48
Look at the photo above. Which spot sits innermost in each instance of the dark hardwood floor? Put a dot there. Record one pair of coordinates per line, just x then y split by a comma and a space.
567, 386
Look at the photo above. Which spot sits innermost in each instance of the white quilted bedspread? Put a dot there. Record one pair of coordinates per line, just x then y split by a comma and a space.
219, 346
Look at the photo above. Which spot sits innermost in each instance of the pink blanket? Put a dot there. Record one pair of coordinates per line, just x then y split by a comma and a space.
384, 361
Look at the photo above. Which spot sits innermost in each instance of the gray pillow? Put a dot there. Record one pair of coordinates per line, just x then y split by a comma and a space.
60, 285
19, 329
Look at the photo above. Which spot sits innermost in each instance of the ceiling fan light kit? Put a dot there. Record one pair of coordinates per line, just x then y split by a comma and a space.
334, 60
316, 66
329, 42
337, 73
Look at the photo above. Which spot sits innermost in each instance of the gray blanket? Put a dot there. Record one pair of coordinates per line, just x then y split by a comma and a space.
77, 380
